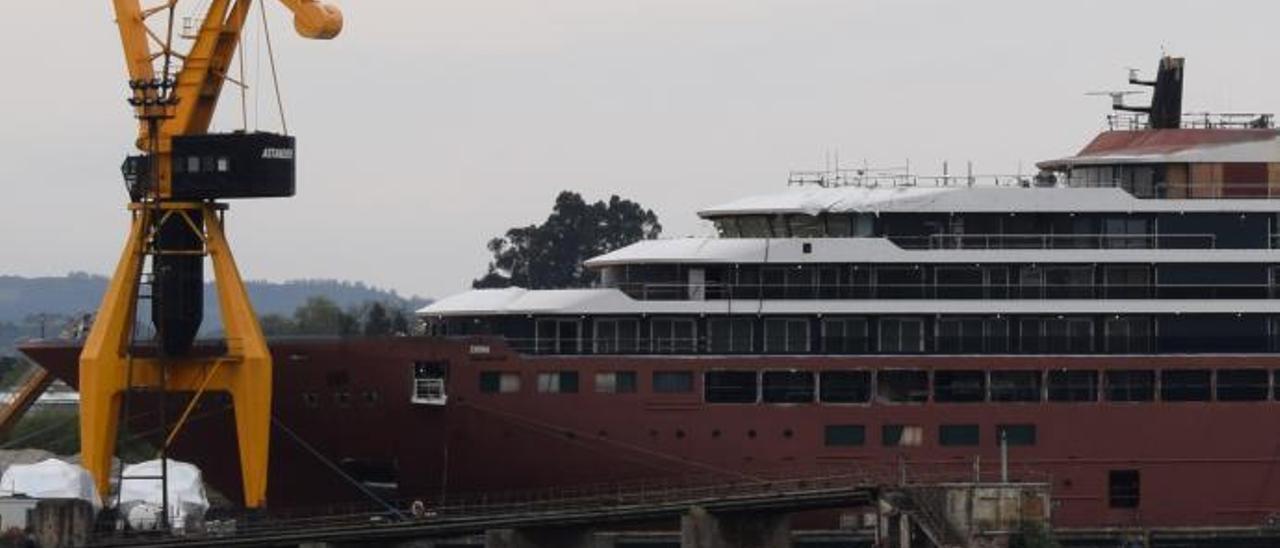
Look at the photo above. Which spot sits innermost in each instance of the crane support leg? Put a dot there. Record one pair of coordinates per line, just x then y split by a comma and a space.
244, 371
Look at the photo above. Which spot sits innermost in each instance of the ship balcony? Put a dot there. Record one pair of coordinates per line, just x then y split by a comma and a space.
1055, 241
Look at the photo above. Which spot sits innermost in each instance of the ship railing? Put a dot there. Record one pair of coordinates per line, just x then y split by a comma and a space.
1056, 241
939, 344
680, 491
944, 291
1134, 121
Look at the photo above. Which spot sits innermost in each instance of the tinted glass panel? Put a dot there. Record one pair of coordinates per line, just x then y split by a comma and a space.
1012, 386
1073, 386
1124, 488
672, 382
902, 386
1242, 385
731, 387
1130, 385
1185, 385
845, 386
787, 386
959, 386
845, 435
1016, 434
951, 435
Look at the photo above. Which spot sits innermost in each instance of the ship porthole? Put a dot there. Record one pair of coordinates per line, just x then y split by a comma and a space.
788, 433
715, 433
751, 434
679, 434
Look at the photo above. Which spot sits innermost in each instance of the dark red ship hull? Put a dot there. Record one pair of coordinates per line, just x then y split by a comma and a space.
347, 402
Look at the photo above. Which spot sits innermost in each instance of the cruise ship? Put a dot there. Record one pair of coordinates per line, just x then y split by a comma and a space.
1110, 324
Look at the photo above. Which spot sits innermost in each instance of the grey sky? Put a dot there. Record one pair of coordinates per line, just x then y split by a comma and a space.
430, 126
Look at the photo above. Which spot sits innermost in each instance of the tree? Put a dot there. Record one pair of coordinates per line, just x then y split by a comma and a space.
376, 321
276, 324
400, 322
550, 255
321, 316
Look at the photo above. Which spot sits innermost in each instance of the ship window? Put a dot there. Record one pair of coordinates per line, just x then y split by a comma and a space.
1073, 385
311, 399
494, 382
1124, 488
371, 397
845, 435
899, 282
954, 435
805, 226
754, 226
731, 387
1130, 385
728, 335
972, 335
343, 399
838, 225
558, 336
672, 382
959, 386
1068, 282
1242, 385
844, 386
787, 386
558, 382
1015, 386
901, 335
728, 227
224, 164
673, 335
1185, 385
844, 335
193, 164
1127, 232
616, 335
899, 435
1016, 434
1127, 282
786, 335
959, 282
1057, 335
1128, 335
617, 382
902, 386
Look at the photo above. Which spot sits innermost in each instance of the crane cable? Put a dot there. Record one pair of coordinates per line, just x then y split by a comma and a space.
271, 58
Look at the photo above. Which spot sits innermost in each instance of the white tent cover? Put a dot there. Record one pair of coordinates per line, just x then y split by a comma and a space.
141, 499
50, 479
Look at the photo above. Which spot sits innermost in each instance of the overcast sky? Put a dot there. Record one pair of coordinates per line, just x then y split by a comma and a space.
431, 126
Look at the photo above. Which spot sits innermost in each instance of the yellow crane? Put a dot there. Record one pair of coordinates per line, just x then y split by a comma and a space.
176, 185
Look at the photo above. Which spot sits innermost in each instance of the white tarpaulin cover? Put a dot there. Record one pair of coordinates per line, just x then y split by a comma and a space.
50, 479
141, 499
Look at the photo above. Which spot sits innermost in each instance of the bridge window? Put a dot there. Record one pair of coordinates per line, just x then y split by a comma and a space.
616, 335
731, 387
1015, 386
673, 335
956, 435
844, 386
616, 382
1016, 434
844, 335
787, 386
1185, 385
672, 382
899, 435
902, 386
1242, 385
959, 386
901, 335
786, 335
558, 382
1130, 385
728, 335
1066, 385
1124, 488
845, 435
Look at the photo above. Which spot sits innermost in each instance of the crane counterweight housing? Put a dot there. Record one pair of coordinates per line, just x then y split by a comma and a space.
233, 165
